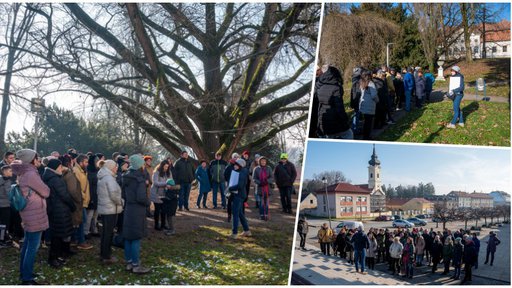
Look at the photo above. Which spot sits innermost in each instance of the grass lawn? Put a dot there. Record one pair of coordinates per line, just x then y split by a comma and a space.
199, 254
485, 124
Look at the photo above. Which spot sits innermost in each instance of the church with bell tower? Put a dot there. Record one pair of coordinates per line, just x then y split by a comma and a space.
377, 196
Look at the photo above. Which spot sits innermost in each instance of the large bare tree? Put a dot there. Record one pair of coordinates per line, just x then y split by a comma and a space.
206, 74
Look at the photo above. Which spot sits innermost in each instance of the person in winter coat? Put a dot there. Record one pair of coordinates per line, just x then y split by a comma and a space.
458, 251
240, 193
170, 204
429, 83
383, 93
491, 247
469, 257
73, 187
134, 222
325, 235
476, 241
458, 94
447, 254
80, 170
332, 121
408, 88
5, 205
349, 247
285, 175
264, 181
90, 227
381, 246
227, 177
217, 168
122, 167
34, 216
428, 246
420, 88
110, 205
341, 243
203, 177
395, 252
60, 206
368, 103
408, 258
436, 252
361, 243
184, 177
371, 252
420, 250
398, 82
159, 181
303, 229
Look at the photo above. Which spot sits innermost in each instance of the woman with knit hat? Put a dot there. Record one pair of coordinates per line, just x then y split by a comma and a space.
263, 178
34, 216
239, 192
110, 204
60, 209
134, 222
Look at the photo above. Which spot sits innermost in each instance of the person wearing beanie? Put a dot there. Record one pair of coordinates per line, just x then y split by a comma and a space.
134, 220
227, 175
34, 216
110, 204
184, 176
248, 164
264, 181
60, 208
160, 176
217, 168
285, 175
203, 177
80, 170
122, 167
239, 192
170, 204
456, 93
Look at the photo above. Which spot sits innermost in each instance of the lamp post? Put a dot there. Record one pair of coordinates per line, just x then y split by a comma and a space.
387, 53
324, 180
360, 199
37, 106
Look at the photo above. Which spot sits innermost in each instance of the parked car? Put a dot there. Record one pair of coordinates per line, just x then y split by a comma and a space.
417, 221
421, 216
349, 224
397, 217
402, 224
383, 218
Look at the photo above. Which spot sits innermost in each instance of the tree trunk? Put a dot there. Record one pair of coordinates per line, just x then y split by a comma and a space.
467, 33
6, 102
484, 50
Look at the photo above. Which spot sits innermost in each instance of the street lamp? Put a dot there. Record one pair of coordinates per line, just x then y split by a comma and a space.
387, 53
36, 106
360, 199
324, 180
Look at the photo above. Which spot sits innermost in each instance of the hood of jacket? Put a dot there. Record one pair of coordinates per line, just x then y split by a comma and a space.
328, 78
49, 174
134, 175
104, 172
19, 168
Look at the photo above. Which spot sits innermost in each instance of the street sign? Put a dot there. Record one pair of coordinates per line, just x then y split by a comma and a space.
36, 104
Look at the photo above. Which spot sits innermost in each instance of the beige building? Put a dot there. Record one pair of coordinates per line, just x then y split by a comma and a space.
473, 200
342, 200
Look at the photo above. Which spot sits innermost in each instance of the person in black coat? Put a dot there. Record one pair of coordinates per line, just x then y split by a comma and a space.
470, 257
436, 253
60, 206
240, 193
428, 246
134, 222
399, 90
420, 85
92, 214
285, 175
491, 247
185, 175
332, 121
382, 105
341, 243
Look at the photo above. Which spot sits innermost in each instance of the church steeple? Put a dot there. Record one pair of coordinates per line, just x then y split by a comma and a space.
375, 159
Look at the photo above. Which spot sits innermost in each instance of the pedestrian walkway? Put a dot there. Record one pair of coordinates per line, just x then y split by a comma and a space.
501, 266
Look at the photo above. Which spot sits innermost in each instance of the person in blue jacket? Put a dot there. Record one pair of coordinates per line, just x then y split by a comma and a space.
458, 94
429, 83
203, 177
239, 193
409, 87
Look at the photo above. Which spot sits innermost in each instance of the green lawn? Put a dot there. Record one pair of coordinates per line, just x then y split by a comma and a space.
485, 124
199, 254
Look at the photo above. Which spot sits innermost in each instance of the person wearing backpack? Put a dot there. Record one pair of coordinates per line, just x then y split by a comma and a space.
34, 215
333, 121
284, 175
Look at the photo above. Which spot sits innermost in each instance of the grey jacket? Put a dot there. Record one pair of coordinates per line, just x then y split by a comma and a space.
109, 193
369, 100
5, 186
157, 191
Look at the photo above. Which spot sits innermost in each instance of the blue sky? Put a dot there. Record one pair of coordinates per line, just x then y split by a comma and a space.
449, 168
504, 8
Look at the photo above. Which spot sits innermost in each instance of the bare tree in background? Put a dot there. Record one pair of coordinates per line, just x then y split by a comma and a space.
429, 16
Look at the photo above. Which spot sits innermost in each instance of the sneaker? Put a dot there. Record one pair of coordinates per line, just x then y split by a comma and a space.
451, 126
461, 124
197, 206
247, 233
233, 236
205, 207
170, 232
129, 267
111, 260
44, 246
84, 246
391, 122
140, 269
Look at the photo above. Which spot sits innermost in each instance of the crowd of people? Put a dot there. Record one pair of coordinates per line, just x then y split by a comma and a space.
374, 96
73, 197
403, 250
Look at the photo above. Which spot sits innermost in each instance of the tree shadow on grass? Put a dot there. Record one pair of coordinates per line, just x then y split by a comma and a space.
466, 111
402, 126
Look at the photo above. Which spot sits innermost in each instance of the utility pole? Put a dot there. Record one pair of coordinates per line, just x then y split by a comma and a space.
37, 106
387, 53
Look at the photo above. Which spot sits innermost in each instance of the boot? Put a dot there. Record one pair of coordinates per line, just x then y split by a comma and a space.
140, 269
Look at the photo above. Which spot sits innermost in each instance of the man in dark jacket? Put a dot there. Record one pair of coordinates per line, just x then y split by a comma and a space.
383, 93
60, 205
285, 175
477, 247
381, 245
420, 88
217, 168
469, 257
361, 243
332, 121
491, 247
399, 90
240, 193
185, 176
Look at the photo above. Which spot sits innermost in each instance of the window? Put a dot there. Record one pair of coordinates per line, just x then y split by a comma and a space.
494, 49
364, 208
505, 49
311, 201
475, 49
378, 175
346, 210
358, 209
371, 175
325, 209
349, 198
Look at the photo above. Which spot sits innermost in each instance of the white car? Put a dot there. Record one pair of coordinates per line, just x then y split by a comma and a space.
402, 224
349, 224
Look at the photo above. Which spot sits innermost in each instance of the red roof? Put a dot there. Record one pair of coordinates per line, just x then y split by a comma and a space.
396, 202
344, 188
495, 32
